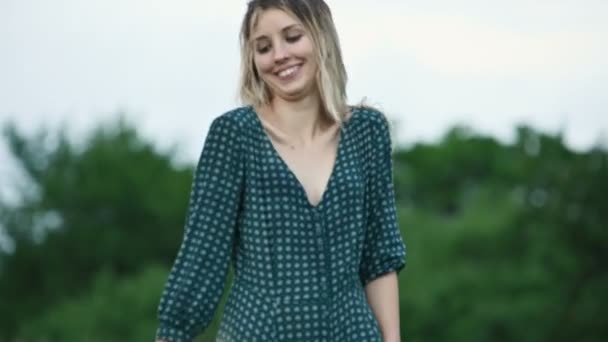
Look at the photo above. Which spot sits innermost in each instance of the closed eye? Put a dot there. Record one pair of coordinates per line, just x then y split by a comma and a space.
293, 39
263, 49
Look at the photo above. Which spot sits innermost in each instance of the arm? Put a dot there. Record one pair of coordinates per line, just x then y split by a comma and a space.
384, 251
383, 297
197, 279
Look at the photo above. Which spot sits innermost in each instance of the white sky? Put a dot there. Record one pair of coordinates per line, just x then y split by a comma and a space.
172, 65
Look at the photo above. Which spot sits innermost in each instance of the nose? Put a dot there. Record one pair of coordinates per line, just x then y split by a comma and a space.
281, 53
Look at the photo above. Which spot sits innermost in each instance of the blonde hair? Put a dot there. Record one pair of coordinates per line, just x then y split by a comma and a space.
331, 75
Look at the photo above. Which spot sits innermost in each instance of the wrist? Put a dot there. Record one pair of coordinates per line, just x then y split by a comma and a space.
391, 338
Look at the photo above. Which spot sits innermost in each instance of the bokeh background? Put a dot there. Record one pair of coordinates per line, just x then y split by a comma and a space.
499, 112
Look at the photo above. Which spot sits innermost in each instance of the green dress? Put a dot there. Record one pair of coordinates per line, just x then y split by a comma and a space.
299, 269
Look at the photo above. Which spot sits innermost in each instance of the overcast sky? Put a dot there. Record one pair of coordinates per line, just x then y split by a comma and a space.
172, 65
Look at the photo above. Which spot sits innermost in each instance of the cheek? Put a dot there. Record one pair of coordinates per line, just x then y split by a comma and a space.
311, 60
306, 48
262, 64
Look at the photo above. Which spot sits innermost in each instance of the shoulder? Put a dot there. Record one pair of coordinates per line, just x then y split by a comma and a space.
236, 122
373, 118
234, 118
377, 126
369, 114
226, 130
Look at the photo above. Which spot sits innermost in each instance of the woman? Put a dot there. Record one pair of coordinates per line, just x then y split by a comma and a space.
296, 190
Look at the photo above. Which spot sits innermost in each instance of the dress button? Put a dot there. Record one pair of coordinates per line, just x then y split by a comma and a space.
320, 243
319, 228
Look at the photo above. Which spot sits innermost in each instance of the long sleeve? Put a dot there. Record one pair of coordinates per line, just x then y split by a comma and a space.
196, 281
383, 249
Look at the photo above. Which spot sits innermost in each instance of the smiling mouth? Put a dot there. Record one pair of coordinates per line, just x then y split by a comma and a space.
288, 73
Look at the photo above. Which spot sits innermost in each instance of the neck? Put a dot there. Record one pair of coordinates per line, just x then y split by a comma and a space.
302, 119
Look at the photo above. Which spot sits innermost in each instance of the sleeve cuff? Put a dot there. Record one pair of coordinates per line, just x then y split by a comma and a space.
383, 267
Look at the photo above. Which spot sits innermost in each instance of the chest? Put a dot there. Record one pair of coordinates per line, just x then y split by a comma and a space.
318, 175
311, 166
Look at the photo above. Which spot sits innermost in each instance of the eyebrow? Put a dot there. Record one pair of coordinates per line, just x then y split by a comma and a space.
286, 28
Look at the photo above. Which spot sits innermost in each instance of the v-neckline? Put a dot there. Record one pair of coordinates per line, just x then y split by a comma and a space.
291, 173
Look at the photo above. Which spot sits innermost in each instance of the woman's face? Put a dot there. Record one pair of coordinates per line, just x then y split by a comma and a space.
284, 55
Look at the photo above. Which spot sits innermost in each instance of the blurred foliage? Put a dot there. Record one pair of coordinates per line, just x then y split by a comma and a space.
115, 308
105, 312
506, 242
115, 203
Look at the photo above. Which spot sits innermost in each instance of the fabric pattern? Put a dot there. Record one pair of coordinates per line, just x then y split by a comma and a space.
299, 269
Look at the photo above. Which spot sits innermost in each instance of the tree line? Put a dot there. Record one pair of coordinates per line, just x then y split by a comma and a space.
506, 241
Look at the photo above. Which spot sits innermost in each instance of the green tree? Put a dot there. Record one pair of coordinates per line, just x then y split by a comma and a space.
113, 203
115, 309
506, 242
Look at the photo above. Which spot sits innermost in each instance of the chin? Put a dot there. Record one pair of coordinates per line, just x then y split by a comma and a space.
294, 93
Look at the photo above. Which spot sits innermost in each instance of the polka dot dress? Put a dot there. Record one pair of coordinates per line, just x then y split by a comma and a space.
300, 269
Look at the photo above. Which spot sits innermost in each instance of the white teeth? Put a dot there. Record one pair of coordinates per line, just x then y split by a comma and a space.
288, 72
